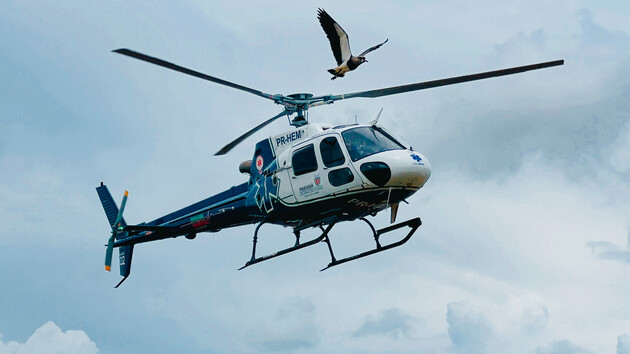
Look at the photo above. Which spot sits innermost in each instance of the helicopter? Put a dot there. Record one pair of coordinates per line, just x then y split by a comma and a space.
313, 176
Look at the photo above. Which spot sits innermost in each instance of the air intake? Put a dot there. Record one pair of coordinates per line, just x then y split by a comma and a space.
377, 172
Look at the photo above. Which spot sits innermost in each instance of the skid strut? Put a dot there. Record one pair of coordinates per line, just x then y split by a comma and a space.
296, 247
412, 223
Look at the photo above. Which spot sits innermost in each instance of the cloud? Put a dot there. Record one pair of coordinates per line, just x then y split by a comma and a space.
561, 347
494, 127
293, 328
468, 329
619, 152
510, 325
610, 251
525, 232
623, 344
391, 322
49, 338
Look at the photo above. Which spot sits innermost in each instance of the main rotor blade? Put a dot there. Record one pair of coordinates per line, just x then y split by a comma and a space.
443, 82
181, 69
238, 140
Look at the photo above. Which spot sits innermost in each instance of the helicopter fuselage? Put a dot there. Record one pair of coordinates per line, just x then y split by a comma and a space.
321, 172
311, 176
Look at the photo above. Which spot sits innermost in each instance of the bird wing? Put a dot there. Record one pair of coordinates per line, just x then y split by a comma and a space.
373, 48
336, 35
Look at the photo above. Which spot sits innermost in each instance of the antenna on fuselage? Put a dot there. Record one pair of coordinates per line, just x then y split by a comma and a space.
377, 117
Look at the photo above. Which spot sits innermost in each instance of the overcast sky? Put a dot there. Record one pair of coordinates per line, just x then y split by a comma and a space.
524, 245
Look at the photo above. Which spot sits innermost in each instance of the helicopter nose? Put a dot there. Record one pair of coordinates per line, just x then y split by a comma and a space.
410, 169
398, 168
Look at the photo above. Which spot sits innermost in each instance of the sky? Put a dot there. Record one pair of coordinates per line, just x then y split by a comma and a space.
524, 246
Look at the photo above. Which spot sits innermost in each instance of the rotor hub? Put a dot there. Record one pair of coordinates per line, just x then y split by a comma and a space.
299, 105
301, 96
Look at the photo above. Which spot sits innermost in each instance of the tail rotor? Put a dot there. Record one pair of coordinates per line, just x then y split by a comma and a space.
116, 228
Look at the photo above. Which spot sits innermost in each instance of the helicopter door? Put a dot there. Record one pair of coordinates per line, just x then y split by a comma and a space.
305, 177
338, 172
317, 174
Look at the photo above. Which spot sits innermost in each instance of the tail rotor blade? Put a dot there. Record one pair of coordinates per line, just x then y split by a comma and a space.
108, 253
112, 238
120, 212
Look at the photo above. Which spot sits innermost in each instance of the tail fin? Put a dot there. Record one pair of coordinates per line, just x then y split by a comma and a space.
124, 254
111, 210
117, 223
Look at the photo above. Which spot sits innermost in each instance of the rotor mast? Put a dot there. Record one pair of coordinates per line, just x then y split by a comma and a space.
300, 106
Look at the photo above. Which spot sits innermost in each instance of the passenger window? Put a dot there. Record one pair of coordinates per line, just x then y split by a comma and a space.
331, 152
304, 160
340, 177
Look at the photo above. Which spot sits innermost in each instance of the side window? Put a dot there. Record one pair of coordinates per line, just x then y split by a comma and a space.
331, 152
304, 160
340, 176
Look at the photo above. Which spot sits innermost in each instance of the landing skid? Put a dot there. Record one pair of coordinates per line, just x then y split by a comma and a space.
413, 224
297, 246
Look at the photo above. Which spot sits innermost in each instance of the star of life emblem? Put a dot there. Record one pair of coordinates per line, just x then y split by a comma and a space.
259, 162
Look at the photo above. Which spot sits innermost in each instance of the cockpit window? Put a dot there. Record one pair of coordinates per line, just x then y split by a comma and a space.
331, 152
365, 141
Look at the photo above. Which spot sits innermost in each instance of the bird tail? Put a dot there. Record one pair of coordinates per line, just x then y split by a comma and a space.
335, 73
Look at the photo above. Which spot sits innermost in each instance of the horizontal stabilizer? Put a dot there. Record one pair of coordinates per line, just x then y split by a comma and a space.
149, 228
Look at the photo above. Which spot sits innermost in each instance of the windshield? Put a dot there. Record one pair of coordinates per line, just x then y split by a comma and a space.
365, 141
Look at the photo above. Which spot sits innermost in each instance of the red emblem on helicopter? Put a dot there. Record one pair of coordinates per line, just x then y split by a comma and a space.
259, 163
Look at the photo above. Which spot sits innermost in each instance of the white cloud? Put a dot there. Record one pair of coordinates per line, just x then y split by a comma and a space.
562, 347
292, 328
468, 329
392, 322
511, 325
620, 151
490, 238
50, 339
528, 233
623, 344
608, 250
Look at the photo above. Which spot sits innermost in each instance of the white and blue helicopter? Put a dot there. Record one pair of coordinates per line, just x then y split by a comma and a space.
312, 176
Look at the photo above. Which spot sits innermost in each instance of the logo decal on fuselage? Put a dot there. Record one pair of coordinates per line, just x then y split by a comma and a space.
259, 163
364, 204
266, 193
418, 160
311, 189
289, 138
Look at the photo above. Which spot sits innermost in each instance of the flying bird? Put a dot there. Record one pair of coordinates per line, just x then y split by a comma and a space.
341, 46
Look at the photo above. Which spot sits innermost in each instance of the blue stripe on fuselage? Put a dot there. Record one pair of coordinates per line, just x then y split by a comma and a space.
201, 205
